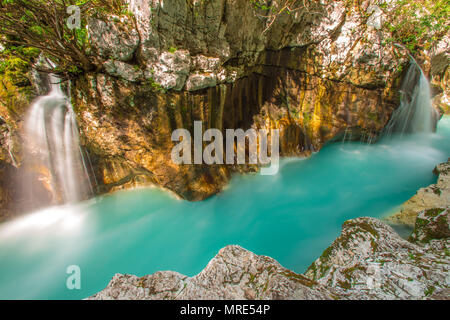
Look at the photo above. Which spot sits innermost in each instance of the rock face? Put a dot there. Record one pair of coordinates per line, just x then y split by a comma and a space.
234, 273
434, 196
312, 75
369, 260
440, 75
432, 224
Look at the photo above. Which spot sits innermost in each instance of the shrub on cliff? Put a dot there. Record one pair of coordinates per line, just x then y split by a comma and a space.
417, 24
43, 25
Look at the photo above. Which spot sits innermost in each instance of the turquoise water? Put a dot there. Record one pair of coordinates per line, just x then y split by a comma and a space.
291, 217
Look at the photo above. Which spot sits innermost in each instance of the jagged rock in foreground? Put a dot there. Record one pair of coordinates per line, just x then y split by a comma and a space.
234, 273
434, 224
434, 196
369, 260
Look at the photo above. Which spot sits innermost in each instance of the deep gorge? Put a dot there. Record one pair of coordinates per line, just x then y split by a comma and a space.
86, 176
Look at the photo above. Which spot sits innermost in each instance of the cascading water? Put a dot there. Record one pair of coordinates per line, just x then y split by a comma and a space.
415, 114
53, 143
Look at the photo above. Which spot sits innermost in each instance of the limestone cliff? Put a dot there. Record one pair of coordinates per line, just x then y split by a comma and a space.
317, 74
312, 74
440, 74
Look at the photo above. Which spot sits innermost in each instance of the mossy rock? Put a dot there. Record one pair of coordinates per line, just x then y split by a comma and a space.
432, 224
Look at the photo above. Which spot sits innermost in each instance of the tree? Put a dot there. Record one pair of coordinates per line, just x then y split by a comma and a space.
42, 24
274, 9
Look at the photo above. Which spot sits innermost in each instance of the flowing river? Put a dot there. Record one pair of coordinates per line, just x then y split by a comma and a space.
292, 217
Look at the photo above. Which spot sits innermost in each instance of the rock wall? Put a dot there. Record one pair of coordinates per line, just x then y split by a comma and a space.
313, 75
369, 260
440, 75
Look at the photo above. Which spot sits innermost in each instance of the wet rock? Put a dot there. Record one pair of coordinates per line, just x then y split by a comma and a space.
434, 196
21, 191
440, 75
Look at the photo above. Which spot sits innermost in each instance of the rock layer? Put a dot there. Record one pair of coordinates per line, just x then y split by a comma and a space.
313, 75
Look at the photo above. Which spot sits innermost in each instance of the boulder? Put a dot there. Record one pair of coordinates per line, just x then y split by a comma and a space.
234, 273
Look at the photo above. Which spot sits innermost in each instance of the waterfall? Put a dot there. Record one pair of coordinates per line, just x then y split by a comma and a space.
415, 113
53, 146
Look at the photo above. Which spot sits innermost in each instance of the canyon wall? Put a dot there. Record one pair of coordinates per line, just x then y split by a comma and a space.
313, 74
319, 73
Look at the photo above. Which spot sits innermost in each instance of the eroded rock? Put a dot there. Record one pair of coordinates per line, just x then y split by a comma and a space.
369, 260
432, 224
234, 273
114, 39
312, 74
434, 196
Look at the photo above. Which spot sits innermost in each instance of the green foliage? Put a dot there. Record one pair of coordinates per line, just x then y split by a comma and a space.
262, 5
13, 100
155, 86
42, 25
417, 24
13, 68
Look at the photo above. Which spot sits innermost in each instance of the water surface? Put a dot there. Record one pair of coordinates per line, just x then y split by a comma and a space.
291, 217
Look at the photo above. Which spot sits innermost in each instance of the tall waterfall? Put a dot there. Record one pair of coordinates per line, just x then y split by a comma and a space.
415, 114
53, 145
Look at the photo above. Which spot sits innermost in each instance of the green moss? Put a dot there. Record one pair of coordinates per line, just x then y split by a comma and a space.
372, 116
429, 291
156, 87
299, 278
446, 252
432, 213
326, 253
345, 284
